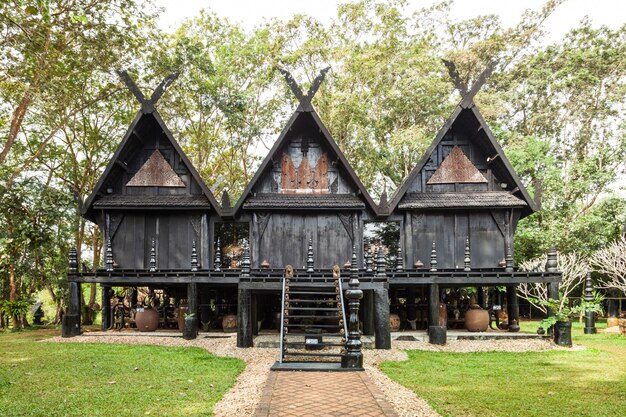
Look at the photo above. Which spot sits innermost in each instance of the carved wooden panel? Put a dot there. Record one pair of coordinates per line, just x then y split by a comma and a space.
156, 172
289, 178
304, 179
456, 168
320, 174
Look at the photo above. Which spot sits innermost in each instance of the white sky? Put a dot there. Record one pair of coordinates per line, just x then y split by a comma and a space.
252, 12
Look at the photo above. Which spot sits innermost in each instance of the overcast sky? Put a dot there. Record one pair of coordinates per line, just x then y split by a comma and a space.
252, 12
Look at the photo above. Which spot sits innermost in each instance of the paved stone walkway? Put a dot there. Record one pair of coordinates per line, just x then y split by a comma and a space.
317, 394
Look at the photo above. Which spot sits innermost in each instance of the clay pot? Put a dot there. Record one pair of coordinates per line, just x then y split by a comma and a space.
182, 310
622, 326
476, 320
394, 322
229, 323
147, 320
612, 322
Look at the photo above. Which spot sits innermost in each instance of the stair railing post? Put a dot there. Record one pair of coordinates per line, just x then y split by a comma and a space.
108, 257
353, 358
217, 259
245, 263
194, 257
153, 263
310, 262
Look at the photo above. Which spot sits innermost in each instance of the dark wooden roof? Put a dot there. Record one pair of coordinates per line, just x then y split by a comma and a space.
98, 192
489, 199
153, 201
520, 190
303, 201
327, 138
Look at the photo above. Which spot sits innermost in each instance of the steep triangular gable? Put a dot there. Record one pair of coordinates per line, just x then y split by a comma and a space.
144, 127
304, 176
482, 137
156, 172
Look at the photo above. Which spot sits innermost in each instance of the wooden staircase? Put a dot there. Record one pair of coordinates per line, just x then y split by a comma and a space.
313, 326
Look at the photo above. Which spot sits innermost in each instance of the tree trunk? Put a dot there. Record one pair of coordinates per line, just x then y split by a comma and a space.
16, 124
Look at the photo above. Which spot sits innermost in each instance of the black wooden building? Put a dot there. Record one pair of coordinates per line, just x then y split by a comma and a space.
457, 212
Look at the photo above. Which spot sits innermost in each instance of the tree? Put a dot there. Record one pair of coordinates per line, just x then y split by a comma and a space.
610, 261
574, 269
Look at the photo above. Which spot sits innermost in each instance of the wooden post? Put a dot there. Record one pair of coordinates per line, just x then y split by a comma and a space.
190, 329
399, 261
381, 264
310, 262
244, 320
71, 319
153, 262
369, 263
553, 287
433, 258
411, 310
194, 257
467, 261
368, 313
437, 334
245, 262
353, 358
108, 256
512, 308
217, 264
106, 307
381, 318
590, 316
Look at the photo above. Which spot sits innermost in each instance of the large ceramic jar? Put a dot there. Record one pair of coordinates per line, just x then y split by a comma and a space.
182, 310
476, 320
394, 322
147, 319
229, 323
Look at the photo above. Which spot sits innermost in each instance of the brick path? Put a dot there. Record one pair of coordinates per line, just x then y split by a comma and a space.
316, 394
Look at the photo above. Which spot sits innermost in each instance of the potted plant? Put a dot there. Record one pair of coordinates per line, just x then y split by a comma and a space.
190, 330
561, 309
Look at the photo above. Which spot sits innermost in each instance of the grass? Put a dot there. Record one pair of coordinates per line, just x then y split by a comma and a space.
71, 379
590, 382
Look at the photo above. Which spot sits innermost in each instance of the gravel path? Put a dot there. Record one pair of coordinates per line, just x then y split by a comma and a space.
243, 398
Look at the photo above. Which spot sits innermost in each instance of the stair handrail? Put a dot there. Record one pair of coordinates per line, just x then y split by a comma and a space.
282, 320
343, 308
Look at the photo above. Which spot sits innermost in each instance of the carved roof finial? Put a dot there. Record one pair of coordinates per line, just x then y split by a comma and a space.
305, 100
147, 105
468, 93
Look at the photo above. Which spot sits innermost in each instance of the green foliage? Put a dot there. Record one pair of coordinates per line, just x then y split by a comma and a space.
562, 310
16, 307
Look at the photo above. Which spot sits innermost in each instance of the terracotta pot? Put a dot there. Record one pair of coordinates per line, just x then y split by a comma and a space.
622, 326
147, 320
229, 323
394, 322
476, 320
612, 322
182, 310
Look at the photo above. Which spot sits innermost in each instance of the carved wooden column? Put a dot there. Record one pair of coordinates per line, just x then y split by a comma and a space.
553, 287
381, 305
353, 358
590, 316
106, 307
71, 319
437, 334
244, 320
190, 329
368, 313
512, 303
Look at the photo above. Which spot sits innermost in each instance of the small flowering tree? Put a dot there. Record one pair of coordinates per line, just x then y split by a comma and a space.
611, 263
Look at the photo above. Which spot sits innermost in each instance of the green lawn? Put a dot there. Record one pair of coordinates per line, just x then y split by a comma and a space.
59, 379
554, 383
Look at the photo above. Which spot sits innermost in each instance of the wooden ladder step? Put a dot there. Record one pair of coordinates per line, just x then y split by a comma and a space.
314, 308
313, 316
325, 355
321, 326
